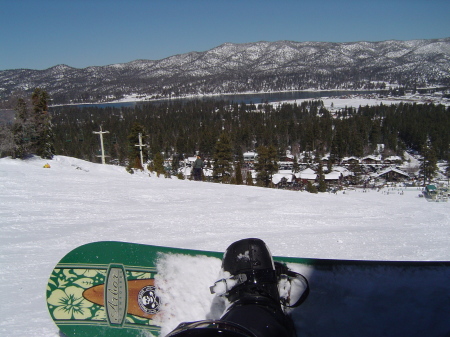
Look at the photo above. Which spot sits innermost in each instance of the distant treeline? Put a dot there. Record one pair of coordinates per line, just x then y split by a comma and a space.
185, 128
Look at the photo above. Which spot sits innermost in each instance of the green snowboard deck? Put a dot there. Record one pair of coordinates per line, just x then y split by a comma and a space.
107, 289
93, 265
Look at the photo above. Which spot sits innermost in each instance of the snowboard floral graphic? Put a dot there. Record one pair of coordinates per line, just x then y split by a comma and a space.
65, 294
70, 304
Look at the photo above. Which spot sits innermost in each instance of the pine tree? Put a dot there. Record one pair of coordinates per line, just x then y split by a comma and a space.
447, 170
23, 130
266, 164
158, 163
33, 130
7, 144
249, 179
43, 145
134, 161
428, 167
223, 158
311, 188
329, 165
322, 183
338, 150
176, 158
355, 168
295, 165
239, 180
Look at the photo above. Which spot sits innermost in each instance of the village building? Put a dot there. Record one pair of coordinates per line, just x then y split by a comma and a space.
249, 157
371, 160
306, 175
391, 174
391, 160
333, 176
283, 180
343, 171
349, 160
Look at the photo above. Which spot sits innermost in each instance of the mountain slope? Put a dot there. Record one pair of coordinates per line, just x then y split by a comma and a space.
259, 66
45, 212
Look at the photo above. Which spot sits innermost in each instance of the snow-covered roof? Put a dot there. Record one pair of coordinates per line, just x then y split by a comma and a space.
333, 175
308, 174
393, 158
374, 158
276, 178
342, 170
347, 159
390, 169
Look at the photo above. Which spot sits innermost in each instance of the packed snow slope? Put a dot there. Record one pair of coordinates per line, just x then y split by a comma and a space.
46, 212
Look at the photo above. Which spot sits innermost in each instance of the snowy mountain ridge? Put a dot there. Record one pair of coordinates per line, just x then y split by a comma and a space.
247, 67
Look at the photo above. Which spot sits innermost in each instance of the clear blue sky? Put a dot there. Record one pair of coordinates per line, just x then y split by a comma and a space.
42, 33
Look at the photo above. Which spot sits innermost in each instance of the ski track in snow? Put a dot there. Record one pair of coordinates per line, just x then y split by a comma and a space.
44, 213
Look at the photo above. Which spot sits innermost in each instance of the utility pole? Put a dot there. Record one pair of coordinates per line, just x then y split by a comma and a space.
140, 145
101, 143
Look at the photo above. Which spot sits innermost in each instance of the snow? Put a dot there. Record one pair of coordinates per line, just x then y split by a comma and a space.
337, 103
331, 103
174, 273
46, 212
333, 175
307, 174
276, 178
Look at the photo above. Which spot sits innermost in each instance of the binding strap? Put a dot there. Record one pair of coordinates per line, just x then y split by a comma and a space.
223, 286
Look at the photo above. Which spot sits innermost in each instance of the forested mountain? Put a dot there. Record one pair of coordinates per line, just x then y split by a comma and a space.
254, 67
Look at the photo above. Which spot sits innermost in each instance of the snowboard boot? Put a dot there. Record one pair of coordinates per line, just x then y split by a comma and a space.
250, 285
248, 273
250, 282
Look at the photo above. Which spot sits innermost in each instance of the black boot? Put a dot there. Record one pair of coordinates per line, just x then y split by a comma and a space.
249, 263
251, 286
250, 283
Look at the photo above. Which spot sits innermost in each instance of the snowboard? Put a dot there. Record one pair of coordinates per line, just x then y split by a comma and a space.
126, 289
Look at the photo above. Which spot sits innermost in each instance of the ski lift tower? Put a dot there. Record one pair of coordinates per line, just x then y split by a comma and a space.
101, 143
140, 145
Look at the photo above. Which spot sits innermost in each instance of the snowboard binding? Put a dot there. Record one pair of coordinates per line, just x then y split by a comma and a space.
249, 274
259, 293
292, 287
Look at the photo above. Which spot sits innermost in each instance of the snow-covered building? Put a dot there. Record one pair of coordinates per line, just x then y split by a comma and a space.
343, 171
286, 162
371, 160
307, 174
286, 165
283, 179
350, 160
392, 160
333, 176
391, 174
249, 157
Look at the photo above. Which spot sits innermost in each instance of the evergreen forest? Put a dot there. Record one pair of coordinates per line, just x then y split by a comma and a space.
180, 129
